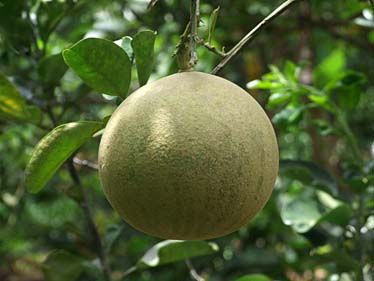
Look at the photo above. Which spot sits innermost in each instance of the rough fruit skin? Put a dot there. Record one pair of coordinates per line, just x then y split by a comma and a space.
191, 156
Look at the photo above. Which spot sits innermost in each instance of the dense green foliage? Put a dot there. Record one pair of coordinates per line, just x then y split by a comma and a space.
311, 69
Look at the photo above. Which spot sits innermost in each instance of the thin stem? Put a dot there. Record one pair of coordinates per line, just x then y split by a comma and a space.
248, 38
360, 242
129, 271
195, 276
194, 19
350, 138
86, 163
91, 224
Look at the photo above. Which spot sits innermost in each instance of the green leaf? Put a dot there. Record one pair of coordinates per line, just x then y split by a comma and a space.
308, 173
101, 64
291, 71
13, 105
212, 23
143, 47
264, 85
288, 116
336, 211
61, 266
34, 114
170, 251
54, 149
344, 261
254, 277
278, 98
15, 30
49, 15
346, 90
52, 68
126, 45
323, 127
111, 235
302, 214
330, 68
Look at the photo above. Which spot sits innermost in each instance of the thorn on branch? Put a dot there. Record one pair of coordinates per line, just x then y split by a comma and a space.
151, 4
211, 48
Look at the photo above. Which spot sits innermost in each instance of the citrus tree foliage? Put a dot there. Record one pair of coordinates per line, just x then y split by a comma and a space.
66, 65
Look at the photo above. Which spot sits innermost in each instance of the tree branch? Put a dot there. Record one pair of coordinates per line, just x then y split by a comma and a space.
91, 224
325, 26
248, 38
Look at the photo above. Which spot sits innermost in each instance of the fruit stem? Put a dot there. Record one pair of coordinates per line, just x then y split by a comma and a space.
186, 50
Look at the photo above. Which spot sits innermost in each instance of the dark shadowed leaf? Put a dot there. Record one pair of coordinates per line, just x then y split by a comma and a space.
14, 28
52, 68
347, 89
101, 64
54, 149
170, 251
50, 14
143, 47
13, 105
254, 277
62, 266
344, 262
310, 173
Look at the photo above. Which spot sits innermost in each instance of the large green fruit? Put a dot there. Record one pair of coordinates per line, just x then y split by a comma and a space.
190, 156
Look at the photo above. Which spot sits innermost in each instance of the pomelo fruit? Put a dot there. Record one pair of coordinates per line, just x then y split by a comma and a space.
191, 156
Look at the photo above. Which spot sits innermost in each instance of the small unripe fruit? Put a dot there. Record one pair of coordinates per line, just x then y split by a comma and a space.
191, 156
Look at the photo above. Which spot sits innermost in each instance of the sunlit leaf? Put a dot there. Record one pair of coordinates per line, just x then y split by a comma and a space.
143, 47
254, 277
330, 68
288, 116
212, 24
126, 45
175, 250
54, 149
301, 214
101, 64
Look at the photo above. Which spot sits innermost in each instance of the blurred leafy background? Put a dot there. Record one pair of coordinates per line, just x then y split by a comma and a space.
311, 69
